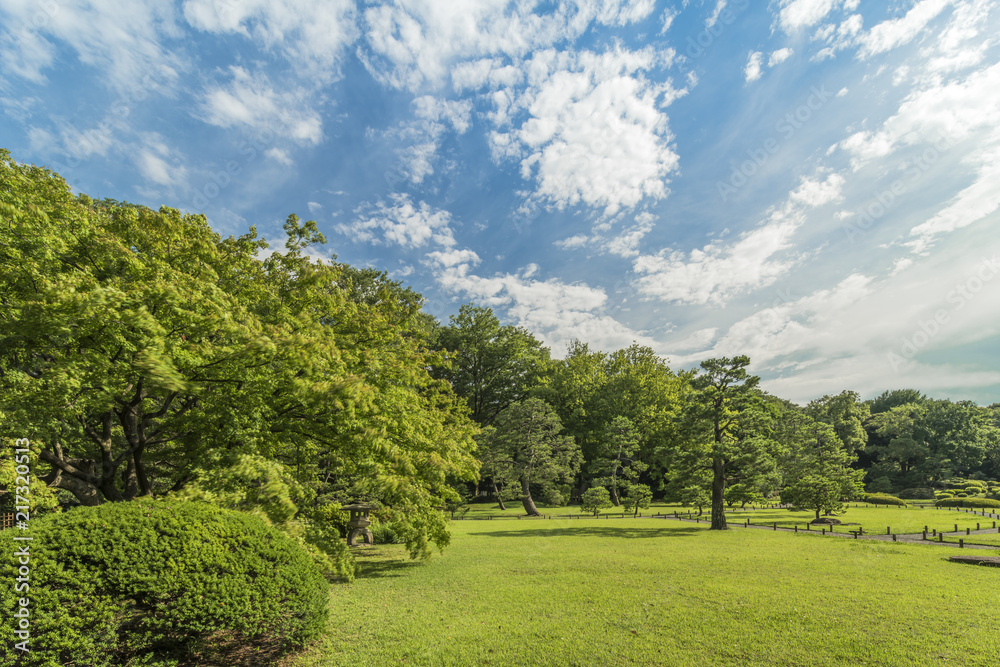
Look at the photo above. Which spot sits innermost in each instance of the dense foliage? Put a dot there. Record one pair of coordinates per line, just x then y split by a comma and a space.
149, 581
143, 352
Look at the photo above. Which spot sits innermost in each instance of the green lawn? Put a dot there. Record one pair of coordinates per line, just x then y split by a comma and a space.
992, 539
660, 592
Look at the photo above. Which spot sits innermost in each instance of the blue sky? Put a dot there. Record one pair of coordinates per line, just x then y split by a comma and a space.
814, 183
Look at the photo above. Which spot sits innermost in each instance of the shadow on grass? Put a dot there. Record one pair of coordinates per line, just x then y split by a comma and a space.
598, 531
378, 569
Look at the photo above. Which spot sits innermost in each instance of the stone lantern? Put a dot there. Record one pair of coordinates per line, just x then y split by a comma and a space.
359, 523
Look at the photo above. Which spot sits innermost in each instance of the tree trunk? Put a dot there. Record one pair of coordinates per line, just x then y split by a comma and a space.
817, 514
719, 494
529, 504
496, 492
614, 496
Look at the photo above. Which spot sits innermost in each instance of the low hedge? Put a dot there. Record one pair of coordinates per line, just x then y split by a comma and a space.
883, 499
161, 583
975, 503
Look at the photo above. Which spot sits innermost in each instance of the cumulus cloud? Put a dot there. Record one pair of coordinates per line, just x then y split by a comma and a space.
401, 222
779, 56
595, 133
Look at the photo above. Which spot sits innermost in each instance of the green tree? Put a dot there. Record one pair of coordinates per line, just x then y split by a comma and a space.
491, 365
846, 413
526, 448
594, 500
819, 474
139, 349
725, 436
637, 497
615, 463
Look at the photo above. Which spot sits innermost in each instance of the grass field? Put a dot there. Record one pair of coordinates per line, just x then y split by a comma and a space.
660, 592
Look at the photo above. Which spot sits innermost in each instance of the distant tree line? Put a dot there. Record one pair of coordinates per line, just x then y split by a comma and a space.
626, 423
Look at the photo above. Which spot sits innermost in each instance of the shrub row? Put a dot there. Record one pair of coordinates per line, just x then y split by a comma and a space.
162, 582
883, 499
980, 503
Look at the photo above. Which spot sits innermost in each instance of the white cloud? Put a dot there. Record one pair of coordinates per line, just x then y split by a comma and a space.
752, 71
412, 43
896, 32
779, 56
454, 257
626, 244
418, 140
280, 156
971, 205
716, 272
595, 133
312, 36
120, 39
798, 14
158, 163
250, 100
576, 241
667, 19
815, 193
402, 223
714, 16
554, 311
942, 114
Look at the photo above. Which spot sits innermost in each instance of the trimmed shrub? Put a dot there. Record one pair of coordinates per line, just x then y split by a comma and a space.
961, 494
980, 503
974, 490
162, 583
883, 499
916, 494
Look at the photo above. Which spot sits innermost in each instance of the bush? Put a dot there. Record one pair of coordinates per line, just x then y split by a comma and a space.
974, 490
980, 503
162, 583
883, 499
961, 494
384, 534
920, 493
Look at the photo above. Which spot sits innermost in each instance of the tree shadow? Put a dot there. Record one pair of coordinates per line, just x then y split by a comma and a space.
598, 531
377, 569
